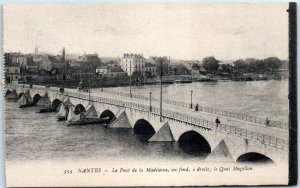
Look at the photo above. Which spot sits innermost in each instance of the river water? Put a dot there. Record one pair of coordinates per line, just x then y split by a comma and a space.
32, 136
257, 98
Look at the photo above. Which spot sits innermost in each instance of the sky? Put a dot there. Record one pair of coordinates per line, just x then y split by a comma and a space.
182, 31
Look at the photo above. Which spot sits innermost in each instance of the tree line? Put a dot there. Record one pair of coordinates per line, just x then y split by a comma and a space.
268, 65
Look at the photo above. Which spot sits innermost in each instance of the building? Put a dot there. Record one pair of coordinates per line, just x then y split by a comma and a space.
91, 59
31, 66
133, 63
12, 58
150, 69
110, 71
22, 61
12, 73
165, 63
87, 62
116, 71
48, 63
102, 70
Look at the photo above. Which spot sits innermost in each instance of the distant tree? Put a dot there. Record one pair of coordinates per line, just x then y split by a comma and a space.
196, 66
211, 64
262, 66
165, 68
162, 63
148, 74
256, 65
226, 68
136, 75
285, 64
240, 64
7, 59
252, 64
273, 63
180, 70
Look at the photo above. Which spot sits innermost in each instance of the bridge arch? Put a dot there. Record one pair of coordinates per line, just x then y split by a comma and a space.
55, 104
36, 98
109, 114
254, 157
79, 108
193, 143
143, 129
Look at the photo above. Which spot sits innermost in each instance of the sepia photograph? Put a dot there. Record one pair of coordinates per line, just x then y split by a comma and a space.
169, 94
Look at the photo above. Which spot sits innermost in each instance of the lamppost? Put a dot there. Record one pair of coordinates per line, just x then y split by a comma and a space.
150, 102
161, 74
22, 74
90, 88
89, 76
91, 72
191, 99
130, 79
102, 82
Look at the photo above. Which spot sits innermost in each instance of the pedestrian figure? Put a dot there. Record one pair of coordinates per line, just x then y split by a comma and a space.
267, 122
197, 107
217, 122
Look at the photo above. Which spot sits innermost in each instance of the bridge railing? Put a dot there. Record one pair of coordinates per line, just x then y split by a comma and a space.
240, 116
193, 121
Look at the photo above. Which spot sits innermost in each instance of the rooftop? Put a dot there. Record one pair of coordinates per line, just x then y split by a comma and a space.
133, 56
102, 67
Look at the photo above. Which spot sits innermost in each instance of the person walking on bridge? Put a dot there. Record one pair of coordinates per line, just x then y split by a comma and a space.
197, 107
217, 122
267, 122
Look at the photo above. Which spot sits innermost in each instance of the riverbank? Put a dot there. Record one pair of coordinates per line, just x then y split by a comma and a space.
96, 81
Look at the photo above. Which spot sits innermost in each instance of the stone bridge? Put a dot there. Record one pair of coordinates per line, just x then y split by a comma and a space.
221, 143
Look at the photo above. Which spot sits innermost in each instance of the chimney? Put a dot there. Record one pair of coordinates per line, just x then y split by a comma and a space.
63, 54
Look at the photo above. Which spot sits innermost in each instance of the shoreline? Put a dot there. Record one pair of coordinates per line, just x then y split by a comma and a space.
73, 84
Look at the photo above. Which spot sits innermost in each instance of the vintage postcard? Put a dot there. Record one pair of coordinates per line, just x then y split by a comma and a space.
149, 94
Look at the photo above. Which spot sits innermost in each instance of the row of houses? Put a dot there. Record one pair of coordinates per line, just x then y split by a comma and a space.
130, 64
17, 65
